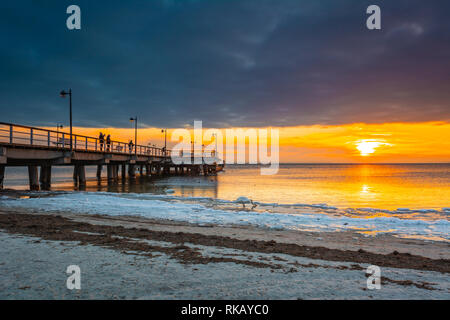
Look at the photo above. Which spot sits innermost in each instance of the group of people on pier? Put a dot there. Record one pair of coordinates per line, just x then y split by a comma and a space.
101, 138
107, 146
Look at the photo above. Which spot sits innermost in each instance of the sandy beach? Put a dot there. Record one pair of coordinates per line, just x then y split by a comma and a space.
124, 257
225, 150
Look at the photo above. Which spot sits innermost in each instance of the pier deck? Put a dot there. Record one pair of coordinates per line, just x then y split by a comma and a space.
37, 147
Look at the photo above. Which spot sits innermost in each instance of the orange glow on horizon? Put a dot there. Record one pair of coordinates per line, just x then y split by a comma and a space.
350, 143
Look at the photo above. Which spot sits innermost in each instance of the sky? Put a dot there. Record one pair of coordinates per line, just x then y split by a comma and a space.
291, 64
350, 143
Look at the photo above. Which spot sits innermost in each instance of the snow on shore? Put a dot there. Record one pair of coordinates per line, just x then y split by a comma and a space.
158, 207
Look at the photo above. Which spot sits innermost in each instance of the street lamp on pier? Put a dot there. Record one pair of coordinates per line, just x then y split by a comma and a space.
135, 134
58, 126
165, 140
63, 95
215, 140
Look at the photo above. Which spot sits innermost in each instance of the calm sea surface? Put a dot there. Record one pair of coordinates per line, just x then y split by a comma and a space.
415, 186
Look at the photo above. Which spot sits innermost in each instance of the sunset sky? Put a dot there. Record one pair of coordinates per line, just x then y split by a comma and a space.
353, 143
337, 91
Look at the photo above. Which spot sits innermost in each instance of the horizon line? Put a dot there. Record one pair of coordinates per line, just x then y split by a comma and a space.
336, 163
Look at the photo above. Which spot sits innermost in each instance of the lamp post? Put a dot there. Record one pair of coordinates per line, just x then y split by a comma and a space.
58, 126
165, 141
135, 134
215, 140
63, 94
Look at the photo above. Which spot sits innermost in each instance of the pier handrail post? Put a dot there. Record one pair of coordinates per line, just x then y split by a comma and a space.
31, 136
48, 138
11, 130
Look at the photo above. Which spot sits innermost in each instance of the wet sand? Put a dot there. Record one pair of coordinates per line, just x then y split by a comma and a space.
383, 250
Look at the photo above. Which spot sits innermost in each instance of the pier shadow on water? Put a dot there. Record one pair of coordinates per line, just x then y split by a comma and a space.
62, 180
187, 186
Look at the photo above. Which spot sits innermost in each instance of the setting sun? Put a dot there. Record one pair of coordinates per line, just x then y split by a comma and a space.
367, 147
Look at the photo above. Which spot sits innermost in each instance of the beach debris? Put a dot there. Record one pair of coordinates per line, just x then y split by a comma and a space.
170, 191
244, 201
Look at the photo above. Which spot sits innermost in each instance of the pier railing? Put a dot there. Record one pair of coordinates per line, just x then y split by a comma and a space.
33, 136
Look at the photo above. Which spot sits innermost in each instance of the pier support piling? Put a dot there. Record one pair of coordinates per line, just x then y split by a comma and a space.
75, 174
151, 169
116, 172
48, 180
99, 172
45, 177
124, 172
2, 176
42, 175
131, 171
81, 176
33, 177
110, 173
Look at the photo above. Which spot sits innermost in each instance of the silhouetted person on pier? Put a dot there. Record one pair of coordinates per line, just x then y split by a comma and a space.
130, 146
101, 138
108, 142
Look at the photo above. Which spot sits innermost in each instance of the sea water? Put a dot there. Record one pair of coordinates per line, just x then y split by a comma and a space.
406, 199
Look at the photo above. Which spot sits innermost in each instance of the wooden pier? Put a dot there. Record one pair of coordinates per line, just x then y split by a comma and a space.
41, 149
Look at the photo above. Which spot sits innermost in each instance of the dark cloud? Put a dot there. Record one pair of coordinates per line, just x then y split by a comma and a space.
228, 63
